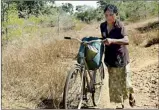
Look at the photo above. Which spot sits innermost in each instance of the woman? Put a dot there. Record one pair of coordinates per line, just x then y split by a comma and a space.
116, 57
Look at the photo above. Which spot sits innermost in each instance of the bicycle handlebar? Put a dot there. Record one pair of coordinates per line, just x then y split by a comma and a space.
99, 40
67, 37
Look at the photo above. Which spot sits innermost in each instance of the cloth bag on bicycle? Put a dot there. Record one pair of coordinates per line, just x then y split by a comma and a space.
93, 53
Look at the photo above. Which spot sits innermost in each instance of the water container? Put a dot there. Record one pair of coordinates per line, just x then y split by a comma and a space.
94, 53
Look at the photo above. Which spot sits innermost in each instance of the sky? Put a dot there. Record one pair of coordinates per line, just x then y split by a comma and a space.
75, 3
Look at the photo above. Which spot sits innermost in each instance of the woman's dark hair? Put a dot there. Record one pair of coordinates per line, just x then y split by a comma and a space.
111, 8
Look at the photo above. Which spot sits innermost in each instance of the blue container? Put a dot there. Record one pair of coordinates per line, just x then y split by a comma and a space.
92, 62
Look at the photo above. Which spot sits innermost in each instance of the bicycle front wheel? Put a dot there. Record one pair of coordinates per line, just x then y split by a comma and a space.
73, 90
99, 76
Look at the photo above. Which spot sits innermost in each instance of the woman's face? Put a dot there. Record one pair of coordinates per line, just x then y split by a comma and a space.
110, 17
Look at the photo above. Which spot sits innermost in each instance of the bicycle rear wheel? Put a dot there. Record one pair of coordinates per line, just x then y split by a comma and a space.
99, 76
73, 90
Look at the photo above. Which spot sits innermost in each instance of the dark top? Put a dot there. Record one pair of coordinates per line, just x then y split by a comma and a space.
115, 55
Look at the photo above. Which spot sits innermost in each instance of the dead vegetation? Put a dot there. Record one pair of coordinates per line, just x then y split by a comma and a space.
146, 35
149, 27
33, 72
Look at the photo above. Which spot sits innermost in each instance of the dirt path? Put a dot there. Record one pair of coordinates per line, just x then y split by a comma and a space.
144, 71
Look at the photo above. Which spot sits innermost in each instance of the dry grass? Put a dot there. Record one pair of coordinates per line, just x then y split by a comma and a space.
145, 35
79, 25
147, 39
33, 72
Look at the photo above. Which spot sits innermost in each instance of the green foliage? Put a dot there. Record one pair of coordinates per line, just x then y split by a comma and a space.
132, 10
128, 10
35, 20
103, 3
68, 7
86, 13
98, 14
12, 24
122, 16
26, 8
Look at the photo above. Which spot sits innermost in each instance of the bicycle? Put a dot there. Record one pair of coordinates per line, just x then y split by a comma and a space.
81, 81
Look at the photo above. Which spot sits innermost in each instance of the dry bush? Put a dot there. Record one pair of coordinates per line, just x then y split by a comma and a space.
150, 38
135, 38
149, 27
146, 35
66, 22
34, 71
145, 40
79, 25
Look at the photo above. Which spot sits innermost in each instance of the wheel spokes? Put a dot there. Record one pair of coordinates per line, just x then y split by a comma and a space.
74, 90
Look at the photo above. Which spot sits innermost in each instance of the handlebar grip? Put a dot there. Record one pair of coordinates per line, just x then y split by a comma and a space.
67, 37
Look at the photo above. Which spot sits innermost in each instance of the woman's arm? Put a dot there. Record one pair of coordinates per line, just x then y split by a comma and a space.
123, 41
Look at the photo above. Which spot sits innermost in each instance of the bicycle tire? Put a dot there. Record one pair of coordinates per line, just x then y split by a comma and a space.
97, 93
66, 89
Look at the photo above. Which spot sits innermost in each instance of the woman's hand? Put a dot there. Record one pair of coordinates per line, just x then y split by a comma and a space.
108, 41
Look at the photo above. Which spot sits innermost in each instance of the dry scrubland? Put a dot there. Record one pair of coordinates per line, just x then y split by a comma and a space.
34, 69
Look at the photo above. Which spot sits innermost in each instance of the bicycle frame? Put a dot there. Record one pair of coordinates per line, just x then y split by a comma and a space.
84, 64
86, 69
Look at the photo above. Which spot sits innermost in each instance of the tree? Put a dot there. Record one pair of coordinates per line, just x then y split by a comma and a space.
103, 3
30, 7
85, 13
67, 7
27, 8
